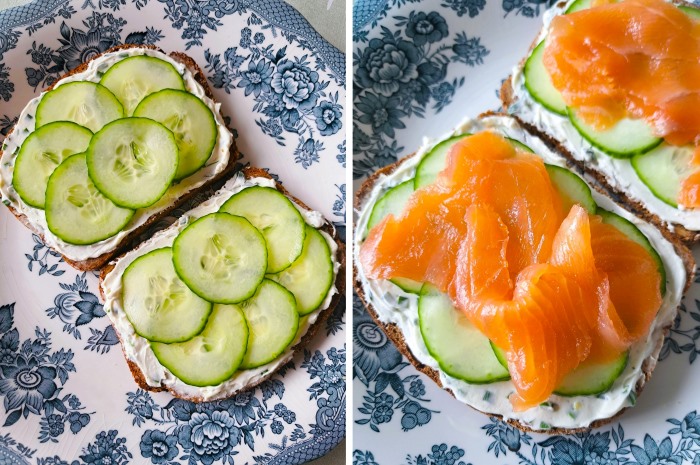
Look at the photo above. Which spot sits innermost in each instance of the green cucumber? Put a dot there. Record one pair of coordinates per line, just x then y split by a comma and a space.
133, 161
133, 78
627, 138
691, 11
408, 285
310, 277
632, 232
539, 84
663, 170
221, 257
276, 218
158, 304
572, 189
578, 5
273, 321
459, 348
75, 210
42, 151
391, 202
191, 122
585, 380
592, 378
85, 103
434, 161
214, 355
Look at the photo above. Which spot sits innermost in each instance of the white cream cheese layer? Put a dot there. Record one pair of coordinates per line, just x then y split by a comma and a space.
396, 306
216, 163
138, 350
619, 172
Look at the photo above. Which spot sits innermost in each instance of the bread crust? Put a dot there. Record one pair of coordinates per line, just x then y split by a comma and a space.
507, 96
128, 241
396, 336
328, 228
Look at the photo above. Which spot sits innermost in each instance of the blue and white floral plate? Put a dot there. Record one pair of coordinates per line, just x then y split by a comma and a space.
67, 394
420, 67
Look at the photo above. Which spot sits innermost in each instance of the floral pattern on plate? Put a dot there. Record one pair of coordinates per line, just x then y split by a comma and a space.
483, 40
67, 394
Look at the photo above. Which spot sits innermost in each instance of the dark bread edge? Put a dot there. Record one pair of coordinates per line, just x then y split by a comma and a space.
126, 242
507, 96
305, 340
396, 336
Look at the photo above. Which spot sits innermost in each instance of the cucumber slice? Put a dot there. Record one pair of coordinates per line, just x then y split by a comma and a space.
433, 162
408, 285
572, 188
273, 322
75, 210
631, 231
40, 154
190, 120
158, 304
519, 145
539, 84
214, 355
592, 378
311, 276
629, 137
221, 257
693, 12
578, 5
460, 349
391, 202
663, 170
85, 103
276, 218
132, 161
585, 380
133, 78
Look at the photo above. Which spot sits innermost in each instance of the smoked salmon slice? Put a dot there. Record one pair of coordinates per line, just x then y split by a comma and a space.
550, 288
634, 58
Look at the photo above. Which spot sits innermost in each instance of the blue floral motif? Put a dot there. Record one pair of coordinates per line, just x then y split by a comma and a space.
440, 454
401, 74
377, 364
78, 307
214, 431
363, 458
462, 7
328, 116
528, 8
14, 452
159, 447
289, 93
342, 151
600, 447
30, 375
339, 204
45, 258
684, 335
107, 449
6, 124
6, 86
103, 30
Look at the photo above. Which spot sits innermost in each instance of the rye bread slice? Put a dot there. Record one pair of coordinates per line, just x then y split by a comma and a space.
133, 237
328, 228
395, 334
636, 206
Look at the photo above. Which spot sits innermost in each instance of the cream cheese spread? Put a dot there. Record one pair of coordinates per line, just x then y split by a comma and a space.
217, 162
393, 305
619, 172
138, 350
